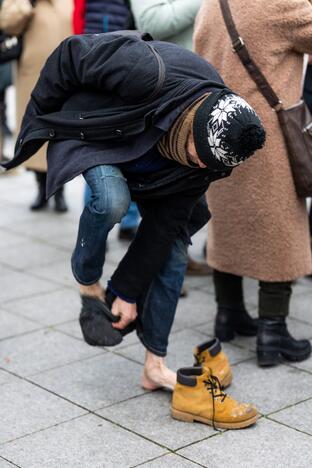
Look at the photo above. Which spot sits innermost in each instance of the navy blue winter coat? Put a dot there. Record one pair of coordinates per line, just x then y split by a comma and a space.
106, 16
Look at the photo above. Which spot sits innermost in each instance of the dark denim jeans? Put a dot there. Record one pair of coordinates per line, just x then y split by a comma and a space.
110, 199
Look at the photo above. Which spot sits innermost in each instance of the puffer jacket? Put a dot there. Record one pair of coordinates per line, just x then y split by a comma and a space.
97, 16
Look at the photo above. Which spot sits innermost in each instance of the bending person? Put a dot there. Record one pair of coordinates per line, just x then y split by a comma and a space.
145, 120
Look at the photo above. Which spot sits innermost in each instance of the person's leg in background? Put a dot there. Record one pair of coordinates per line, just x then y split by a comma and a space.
129, 223
274, 340
232, 316
41, 202
109, 201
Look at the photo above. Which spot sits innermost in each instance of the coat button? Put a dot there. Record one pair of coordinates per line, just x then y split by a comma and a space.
82, 136
51, 133
118, 132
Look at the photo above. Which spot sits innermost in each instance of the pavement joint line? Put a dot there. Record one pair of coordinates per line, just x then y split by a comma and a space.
32, 295
292, 366
41, 430
110, 405
44, 293
9, 461
165, 455
40, 327
102, 353
189, 459
52, 368
150, 460
220, 433
289, 427
132, 431
288, 406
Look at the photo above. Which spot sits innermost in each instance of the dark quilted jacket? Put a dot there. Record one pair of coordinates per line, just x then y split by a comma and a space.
106, 16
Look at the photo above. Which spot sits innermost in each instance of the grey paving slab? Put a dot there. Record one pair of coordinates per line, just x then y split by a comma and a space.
15, 215
5, 377
171, 461
96, 382
41, 350
304, 365
301, 307
60, 273
197, 308
31, 254
47, 226
12, 325
84, 442
298, 416
25, 409
5, 464
270, 389
267, 444
149, 415
16, 285
9, 240
181, 347
48, 309
5, 269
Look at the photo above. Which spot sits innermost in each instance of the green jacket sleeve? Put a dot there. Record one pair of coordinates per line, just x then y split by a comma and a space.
164, 18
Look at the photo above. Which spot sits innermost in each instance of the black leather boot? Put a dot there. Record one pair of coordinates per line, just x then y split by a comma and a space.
60, 203
274, 341
40, 201
234, 320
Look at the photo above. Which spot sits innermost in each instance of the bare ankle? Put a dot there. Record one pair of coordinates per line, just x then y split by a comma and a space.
93, 290
156, 374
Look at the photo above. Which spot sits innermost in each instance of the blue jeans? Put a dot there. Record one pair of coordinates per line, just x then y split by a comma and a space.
129, 221
110, 199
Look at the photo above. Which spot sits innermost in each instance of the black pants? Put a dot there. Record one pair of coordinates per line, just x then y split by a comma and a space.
273, 301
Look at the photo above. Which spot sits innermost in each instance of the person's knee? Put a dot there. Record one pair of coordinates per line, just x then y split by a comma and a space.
110, 196
113, 207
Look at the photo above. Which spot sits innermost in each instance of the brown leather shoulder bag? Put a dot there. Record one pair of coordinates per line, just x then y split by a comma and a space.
295, 121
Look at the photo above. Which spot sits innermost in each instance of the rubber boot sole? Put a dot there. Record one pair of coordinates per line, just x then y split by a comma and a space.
187, 417
272, 357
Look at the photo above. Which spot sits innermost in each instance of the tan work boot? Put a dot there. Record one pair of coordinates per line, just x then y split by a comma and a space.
197, 396
211, 356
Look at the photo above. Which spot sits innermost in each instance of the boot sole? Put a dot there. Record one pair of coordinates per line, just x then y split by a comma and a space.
274, 357
187, 417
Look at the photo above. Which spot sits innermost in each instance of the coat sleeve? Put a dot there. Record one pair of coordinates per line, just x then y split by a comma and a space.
294, 21
161, 224
15, 15
114, 63
164, 18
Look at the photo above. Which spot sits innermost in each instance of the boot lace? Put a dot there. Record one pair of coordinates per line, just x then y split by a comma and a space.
214, 387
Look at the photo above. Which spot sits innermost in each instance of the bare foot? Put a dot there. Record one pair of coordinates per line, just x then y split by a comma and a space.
156, 375
93, 290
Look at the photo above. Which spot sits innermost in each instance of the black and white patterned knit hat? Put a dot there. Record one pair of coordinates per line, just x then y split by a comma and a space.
226, 130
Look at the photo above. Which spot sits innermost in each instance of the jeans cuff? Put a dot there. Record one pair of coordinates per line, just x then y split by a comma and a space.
80, 281
150, 348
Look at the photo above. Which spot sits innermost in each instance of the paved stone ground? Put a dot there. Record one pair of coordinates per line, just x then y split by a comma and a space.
66, 404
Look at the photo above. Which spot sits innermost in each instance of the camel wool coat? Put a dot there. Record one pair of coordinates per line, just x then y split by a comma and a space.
43, 28
259, 226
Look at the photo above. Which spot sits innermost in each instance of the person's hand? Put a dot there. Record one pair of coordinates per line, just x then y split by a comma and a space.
127, 313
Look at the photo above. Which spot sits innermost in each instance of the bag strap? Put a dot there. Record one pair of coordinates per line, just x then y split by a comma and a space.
239, 47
